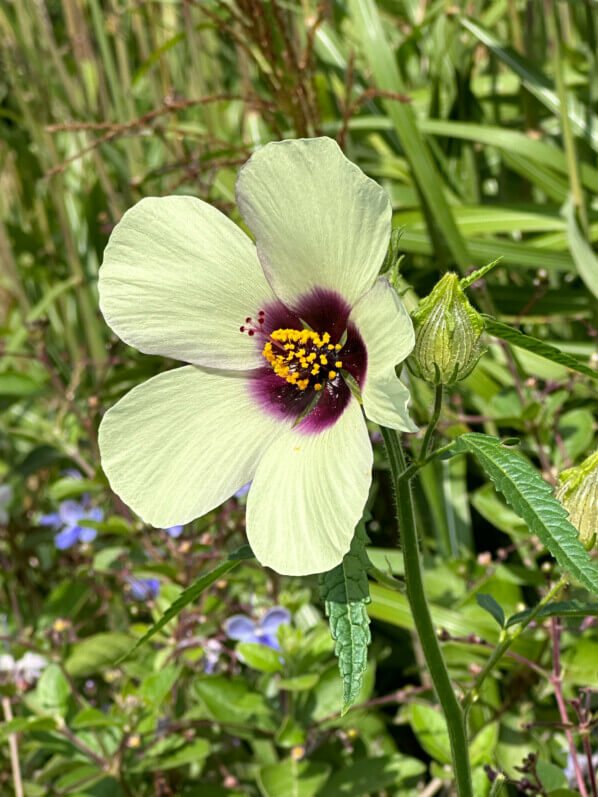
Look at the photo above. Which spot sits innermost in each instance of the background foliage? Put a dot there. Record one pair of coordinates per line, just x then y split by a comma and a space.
479, 118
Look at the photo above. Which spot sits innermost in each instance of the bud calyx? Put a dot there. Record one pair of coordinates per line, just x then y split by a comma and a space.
447, 334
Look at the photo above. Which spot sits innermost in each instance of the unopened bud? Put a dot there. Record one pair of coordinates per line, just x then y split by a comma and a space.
578, 493
447, 334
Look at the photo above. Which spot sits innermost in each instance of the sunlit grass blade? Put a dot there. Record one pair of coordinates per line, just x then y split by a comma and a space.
380, 58
517, 338
583, 121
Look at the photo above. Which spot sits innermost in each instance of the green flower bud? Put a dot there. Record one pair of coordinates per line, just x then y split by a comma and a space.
578, 493
447, 334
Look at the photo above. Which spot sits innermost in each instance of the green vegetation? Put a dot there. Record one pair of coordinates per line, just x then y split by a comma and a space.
480, 120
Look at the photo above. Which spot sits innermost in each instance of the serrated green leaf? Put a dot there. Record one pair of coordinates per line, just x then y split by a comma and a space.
345, 592
190, 594
517, 338
533, 500
349, 580
350, 629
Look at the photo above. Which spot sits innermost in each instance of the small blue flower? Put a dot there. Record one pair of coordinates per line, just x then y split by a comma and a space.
143, 589
243, 628
242, 491
174, 531
67, 519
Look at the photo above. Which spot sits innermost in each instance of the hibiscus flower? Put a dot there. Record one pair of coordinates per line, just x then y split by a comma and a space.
280, 337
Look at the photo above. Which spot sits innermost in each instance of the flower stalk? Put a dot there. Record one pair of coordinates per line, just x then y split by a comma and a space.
426, 632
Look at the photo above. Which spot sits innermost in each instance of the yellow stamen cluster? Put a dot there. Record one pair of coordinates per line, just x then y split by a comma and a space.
295, 355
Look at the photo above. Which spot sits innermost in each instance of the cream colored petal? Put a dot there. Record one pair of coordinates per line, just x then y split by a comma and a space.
308, 495
318, 221
387, 331
180, 444
178, 279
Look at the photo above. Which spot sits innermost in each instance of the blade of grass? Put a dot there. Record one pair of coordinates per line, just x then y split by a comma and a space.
380, 58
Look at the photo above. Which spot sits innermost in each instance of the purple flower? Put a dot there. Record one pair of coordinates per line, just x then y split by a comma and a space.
68, 520
143, 589
174, 531
243, 628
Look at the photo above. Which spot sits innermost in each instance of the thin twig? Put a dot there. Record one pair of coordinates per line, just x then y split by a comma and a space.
14, 750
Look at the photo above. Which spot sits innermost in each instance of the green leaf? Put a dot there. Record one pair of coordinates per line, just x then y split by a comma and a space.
300, 683
53, 690
584, 257
96, 652
68, 487
290, 733
429, 726
190, 594
259, 657
345, 592
488, 603
20, 724
230, 699
517, 338
94, 718
158, 685
532, 498
350, 629
189, 753
557, 609
349, 580
293, 778
371, 775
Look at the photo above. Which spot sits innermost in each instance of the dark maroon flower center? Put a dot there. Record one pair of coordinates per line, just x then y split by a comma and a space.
309, 355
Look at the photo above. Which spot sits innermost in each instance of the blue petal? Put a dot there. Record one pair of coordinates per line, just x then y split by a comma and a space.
143, 589
71, 512
243, 490
67, 537
95, 514
174, 531
239, 626
87, 535
52, 519
274, 618
270, 641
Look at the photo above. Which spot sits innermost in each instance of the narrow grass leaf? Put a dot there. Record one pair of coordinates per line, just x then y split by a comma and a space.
517, 338
191, 594
557, 609
585, 259
583, 121
380, 58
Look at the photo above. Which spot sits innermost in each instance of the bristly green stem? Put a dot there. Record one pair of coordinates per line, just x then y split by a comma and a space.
455, 718
505, 641
433, 422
